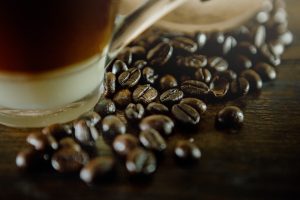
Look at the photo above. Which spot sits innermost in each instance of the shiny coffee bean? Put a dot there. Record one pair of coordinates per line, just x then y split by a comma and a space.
97, 168
149, 75
134, 112
184, 44
140, 64
68, 160
105, 107
195, 88
197, 104
167, 82
266, 71
58, 131
286, 38
193, 61
152, 140
91, 118
126, 56
201, 39
28, 159
111, 127
262, 17
276, 47
247, 49
161, 123
229, 75
144, 94
230, 117
130, 78
171, 96
141, 162
109, 84
160, 54
186, 152
42, 142
157, 108
219, 87
259, 35
185, 114
218, 64
118, 67
253, 78
124, 144
69, 142
269, 56
203, 75
242, 63
239, 87
228, 45
122, 98
84, 133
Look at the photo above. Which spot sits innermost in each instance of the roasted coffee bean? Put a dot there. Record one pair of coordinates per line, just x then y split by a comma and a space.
195, 88
276, 47
111, 127
140, 64
91, 118
161, 123
186, 152
118, 67
97, 168
247, 49
286, 38
219, 87
239, 87
28, 159
105, 107
160, 54
167, 82
218, 64
230, 117
266, 71
138, 52
152, 140
144, 94
262, 17
126, 56
242, 33
149, 75
58, 131
122, 98
68, 160
253, 78
203, 75
42, 142
269, 56
185, 44
84, 133
229, 75
124, 144
228, 45
157, 108
197, 104
185, 114
130, 77
141, 162
109, 84
193, 61
259, 35
171, 96
69, 142
242, 63
134, 112
201, 40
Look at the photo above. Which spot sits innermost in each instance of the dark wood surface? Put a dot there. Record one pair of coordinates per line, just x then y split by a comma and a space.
262, 161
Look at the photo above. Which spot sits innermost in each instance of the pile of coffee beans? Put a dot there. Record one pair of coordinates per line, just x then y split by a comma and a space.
160, 82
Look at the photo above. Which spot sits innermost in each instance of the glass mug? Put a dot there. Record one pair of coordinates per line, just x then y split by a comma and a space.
53, 55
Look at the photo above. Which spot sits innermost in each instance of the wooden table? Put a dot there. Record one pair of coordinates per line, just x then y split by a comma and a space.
262, 161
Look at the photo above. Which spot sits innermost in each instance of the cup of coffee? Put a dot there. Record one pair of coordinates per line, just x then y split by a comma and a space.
53, 55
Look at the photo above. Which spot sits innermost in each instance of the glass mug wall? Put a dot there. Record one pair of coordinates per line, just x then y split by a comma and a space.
53, 54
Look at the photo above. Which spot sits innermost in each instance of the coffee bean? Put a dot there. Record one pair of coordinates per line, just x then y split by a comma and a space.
239, 87
219, 87
134, 112
230, 117
253, 78
171, 96
69, 142
201, 40
58, 131
111, 127
195, 88
203, 75
109, 84
42, 142
262, 17
286, 38
149, 75
185, 44
84, 133
126, 56
197, 104
266, 71
160, 54
144, 94
185, 114
124, 144
269, 56
97, 168
259, 35
276, 47
68, 160
167, 82
161, 123
186, 152
152, 140
28, 159
193, 61
157, 108
91, 118
141, 162
228, 45
130, 77
140, 64
247, 49
218, 64
229, 75
105, 107
242, 63
118, 67
122, 98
